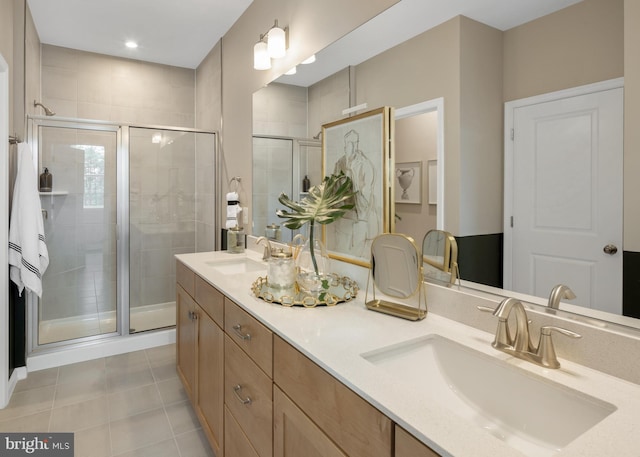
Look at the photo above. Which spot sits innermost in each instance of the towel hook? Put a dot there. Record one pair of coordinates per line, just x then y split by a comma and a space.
237, 180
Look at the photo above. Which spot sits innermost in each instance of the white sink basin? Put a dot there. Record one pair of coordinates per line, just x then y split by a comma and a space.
534, 415
237, 266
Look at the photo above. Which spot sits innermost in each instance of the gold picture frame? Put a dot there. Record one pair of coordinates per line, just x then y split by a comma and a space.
361, 146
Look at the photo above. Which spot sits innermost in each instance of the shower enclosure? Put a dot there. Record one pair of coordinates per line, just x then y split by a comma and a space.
279, 165
124, 201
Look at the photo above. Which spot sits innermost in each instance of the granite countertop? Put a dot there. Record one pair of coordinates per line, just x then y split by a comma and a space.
335, 337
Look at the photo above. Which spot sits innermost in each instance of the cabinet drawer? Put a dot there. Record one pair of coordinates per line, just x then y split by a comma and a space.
354, 425
253, 337
248, 393
186, 278
409, 446
210, 300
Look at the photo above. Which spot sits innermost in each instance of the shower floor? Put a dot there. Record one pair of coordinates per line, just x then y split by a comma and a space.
142, 318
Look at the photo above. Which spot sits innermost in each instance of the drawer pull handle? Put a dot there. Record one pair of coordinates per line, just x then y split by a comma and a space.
193, 315
238, 331
236, 390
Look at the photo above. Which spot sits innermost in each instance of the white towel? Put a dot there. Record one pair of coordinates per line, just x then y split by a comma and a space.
28, 255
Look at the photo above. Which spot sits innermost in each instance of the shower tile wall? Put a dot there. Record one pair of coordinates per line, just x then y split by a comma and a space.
94, 86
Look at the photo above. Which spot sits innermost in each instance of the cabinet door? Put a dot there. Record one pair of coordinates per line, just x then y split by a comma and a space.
409, 446
186, 340
352, 423
236, 443
294, 434
210, 397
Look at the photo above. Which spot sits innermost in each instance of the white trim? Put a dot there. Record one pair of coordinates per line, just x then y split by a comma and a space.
100, 348
437, 105
6, 385
509, 114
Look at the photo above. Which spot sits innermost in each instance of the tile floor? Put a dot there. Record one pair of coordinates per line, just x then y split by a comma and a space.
128, 405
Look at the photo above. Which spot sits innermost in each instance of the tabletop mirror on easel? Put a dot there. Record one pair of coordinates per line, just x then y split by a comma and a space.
440, 257
396, 272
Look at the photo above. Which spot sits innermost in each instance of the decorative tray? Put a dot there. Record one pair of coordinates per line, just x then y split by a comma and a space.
339, 289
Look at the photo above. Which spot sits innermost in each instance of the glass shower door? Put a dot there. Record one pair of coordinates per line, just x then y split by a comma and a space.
272, 174
166, 216
80, 220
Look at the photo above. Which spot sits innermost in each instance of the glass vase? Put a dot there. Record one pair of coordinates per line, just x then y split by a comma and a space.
312, 275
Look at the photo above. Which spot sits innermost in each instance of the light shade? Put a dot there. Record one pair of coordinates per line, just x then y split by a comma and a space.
276, 42
261, 59
309, 59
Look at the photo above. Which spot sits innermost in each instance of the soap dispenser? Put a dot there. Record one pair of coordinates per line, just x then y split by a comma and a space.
46, 181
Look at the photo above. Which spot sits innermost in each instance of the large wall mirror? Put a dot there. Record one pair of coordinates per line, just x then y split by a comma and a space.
437, 62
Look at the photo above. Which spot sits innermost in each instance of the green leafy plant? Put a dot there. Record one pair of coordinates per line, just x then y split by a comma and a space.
324, 204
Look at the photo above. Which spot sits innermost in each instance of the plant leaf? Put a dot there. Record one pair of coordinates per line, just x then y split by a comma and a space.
325, 203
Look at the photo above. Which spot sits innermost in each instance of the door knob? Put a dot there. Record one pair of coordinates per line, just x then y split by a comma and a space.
610, 249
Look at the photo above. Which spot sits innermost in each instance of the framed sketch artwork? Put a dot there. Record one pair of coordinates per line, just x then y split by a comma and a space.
360, 147
408, 176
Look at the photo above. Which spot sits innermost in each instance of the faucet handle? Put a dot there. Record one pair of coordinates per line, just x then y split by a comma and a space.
546, 351
503, 337
547, 329
486, 309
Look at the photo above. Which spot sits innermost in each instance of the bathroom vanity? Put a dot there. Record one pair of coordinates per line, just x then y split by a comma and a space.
268, 380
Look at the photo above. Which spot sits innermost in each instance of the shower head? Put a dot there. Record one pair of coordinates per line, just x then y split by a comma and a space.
47, 111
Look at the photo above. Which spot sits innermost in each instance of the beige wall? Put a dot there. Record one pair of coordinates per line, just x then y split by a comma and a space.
312, 26
460, 60
631, 122
481, 126
327, 99
578, 45
208, 106
7, 20
416, 141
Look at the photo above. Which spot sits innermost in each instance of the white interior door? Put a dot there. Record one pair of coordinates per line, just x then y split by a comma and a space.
566, 195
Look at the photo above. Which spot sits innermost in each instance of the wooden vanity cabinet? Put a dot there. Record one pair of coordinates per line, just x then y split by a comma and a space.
257, 396
343, 417
409, 446
200, 350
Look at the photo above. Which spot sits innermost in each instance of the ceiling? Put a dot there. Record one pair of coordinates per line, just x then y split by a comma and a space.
171, 32
181, 33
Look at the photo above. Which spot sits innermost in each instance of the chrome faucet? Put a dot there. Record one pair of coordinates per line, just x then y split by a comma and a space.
558, 293
520, 344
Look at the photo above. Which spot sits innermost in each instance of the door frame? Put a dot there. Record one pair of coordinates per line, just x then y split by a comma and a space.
509, 115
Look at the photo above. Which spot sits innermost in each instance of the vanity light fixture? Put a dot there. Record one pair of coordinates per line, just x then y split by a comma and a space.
272, 45
309, 60
261, 59
291, 72
276, 41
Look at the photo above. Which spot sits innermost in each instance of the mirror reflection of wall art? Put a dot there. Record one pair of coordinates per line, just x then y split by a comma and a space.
408, 177
360, 147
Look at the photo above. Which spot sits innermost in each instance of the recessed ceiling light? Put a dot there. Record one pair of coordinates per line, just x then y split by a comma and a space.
131, 44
